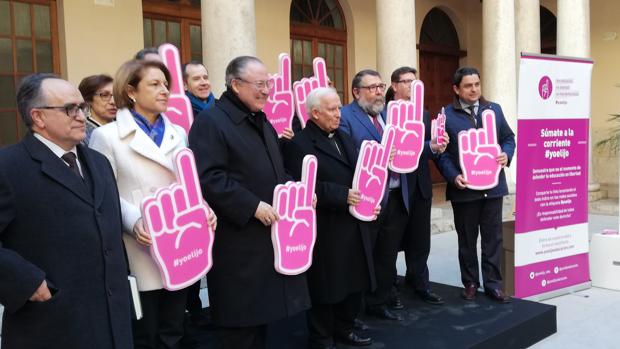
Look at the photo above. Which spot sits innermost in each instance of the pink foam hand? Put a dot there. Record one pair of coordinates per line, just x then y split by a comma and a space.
438, 127
371, 174
179, 107
176, 217
294, 234
407, 119
478, 152
304, 86
280, 108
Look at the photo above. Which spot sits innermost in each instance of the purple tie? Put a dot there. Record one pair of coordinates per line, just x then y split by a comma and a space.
375, 122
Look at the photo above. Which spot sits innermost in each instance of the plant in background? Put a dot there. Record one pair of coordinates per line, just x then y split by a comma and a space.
612, 143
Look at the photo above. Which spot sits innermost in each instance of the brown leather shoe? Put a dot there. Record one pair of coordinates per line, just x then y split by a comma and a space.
498, 295
469, 292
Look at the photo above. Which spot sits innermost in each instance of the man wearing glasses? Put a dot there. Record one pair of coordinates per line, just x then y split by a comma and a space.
417, 239
363, 120
62, 263
239, 164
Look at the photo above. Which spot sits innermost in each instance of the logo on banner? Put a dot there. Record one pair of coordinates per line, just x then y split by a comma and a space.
406, 119
438, 127
179, 107
478, 152
545, 87
176, 217
279, 107
294, 234
304, 86
371, 174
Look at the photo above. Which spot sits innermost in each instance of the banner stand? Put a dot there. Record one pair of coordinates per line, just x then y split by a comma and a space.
551, 244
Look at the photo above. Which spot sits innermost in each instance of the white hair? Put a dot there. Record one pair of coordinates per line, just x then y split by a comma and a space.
313, 101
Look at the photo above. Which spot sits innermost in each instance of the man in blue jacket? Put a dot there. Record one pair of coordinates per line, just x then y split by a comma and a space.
476, 210
362, 120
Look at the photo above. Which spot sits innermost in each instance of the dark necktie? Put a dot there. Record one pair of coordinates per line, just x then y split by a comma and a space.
71, 159
472, 114
377, 124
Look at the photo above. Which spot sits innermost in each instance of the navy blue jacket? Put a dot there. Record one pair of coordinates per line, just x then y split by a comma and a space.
458, 120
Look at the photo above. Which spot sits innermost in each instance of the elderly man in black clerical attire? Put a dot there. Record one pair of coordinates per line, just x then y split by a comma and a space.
239, 164
342, 262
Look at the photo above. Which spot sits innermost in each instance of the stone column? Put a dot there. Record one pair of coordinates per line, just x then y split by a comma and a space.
228, 31
499, 64
574, 40
528, 26
396, 36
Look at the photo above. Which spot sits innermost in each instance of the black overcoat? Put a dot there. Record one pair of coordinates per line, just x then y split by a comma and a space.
342, 261
239, 164
54, 227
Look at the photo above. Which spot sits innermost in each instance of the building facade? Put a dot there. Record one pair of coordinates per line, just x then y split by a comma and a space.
77, 38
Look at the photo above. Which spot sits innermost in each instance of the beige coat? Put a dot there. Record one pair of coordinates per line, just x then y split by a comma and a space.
140, 168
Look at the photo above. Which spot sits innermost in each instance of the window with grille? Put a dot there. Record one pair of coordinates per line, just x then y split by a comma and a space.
176, 22
318, 29
28, 44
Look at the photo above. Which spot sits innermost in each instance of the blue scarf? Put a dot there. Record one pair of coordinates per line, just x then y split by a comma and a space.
198, 104
155, 131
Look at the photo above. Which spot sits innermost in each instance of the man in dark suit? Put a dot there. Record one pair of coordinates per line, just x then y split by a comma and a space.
476, 210
239, 164
417, 239
342, 261
198, 90
362, 120
62, 263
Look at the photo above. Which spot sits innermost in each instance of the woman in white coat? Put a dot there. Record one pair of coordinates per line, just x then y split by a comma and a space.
140, 145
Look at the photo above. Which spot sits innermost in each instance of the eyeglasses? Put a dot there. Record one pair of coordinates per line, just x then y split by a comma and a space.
260, 84
72, 110
374, 88
406, 81
105, 96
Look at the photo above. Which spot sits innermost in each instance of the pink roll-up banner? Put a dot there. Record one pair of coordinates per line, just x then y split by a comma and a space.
551, 227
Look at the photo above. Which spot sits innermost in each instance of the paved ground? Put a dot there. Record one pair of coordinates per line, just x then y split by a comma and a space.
587, 318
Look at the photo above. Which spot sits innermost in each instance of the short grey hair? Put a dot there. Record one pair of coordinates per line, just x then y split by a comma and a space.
313, 101
30, 95
236, 68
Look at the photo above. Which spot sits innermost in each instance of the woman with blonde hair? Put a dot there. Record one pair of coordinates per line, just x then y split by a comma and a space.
140, 145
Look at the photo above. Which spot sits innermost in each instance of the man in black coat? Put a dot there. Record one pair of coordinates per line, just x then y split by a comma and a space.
239, 164
417, 237
62, 263
342, 264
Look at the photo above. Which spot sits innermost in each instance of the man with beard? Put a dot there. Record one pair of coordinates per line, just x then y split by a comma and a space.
362, 120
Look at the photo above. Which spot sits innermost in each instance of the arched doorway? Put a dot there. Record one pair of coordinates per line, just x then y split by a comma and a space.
439, 59
548, 31
318, 29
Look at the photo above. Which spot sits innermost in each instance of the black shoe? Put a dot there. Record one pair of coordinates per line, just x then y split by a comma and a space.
396, 303
359, 325
430, 297
382, 312
353, 339
200, 319
498, 295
